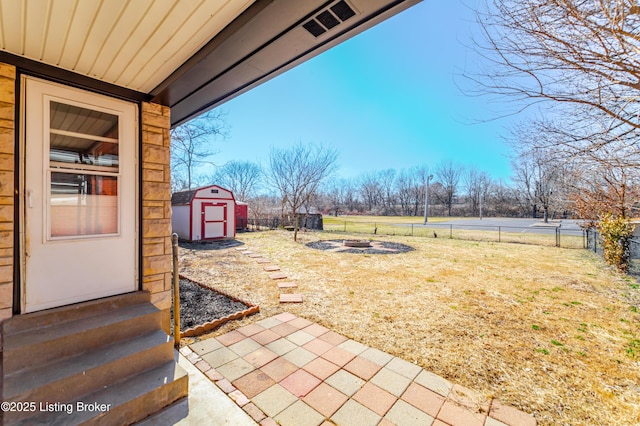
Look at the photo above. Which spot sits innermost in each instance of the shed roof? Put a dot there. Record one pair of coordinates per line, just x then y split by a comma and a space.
183, 197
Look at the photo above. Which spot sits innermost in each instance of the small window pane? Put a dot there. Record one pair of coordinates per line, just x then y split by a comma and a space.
83, 204
83, 137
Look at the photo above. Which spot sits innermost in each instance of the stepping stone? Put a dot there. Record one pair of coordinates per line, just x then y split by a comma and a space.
247, 252
271, 268
241, 248
255, 256
263, 260
290, 298
287, 284
278, 276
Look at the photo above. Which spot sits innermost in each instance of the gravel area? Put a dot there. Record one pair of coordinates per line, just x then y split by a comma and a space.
379, 247
199, 305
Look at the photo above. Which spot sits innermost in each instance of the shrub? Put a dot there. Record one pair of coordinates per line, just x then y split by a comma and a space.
616, 233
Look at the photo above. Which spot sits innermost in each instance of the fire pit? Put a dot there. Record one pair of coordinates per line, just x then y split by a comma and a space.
356, 243
360, 246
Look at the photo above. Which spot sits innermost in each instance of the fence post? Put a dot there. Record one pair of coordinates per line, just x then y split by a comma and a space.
499, 234
345, 226
557, 237
450, 231
176, 291
595, 242
412, 229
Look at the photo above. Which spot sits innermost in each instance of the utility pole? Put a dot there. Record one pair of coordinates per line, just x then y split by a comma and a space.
481, 194
426, 200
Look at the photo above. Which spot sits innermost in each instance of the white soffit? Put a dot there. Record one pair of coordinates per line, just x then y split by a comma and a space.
130, 43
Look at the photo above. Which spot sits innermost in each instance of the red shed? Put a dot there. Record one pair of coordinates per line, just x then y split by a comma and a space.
206, 213
242, 215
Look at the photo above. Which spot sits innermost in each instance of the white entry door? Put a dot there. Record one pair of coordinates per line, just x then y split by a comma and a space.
79, 196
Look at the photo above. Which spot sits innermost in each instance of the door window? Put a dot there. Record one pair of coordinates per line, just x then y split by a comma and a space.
83, 172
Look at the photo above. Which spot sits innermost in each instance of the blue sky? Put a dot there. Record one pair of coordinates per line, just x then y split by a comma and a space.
387, 98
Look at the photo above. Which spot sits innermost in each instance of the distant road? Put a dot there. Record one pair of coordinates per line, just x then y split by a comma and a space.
567, 226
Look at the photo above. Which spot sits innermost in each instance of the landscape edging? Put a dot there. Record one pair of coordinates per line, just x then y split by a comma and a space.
208, 326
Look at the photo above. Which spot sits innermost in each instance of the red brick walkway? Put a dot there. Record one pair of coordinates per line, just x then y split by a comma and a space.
287, 370
276, 275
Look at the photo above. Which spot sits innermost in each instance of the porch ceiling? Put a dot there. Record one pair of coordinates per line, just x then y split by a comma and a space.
134, 44
191, 55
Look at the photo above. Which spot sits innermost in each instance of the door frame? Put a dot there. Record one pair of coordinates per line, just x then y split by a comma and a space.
20, 234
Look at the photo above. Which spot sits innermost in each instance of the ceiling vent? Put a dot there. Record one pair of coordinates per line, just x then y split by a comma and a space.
328, 19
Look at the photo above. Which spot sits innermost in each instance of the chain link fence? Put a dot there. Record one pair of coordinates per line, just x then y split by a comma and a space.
546, 235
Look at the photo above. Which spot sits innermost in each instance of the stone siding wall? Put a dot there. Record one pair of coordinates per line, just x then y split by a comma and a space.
156, 207
7, 161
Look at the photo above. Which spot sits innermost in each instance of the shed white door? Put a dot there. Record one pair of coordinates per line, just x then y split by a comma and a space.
214, 220
79, 196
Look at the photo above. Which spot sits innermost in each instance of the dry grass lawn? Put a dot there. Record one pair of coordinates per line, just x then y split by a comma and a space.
551, 331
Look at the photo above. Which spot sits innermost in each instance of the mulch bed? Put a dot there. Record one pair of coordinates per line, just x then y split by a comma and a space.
203, 308
378, 247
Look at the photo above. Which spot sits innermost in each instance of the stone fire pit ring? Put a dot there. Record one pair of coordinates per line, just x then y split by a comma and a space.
356, 243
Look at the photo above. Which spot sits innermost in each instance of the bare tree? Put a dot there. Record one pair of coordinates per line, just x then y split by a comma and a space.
419, 191
261, 209
350, 193
601, 189
336, 194
503, 200
541, 179
243, 178
370, 189
192, 145
581, 55
537, 167
297, 173
410, 190
387, 178
404, 186
476, 184
448, 175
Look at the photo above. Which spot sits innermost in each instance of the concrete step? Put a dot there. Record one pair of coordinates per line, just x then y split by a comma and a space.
27, 348
62, 314
125, 402
71, 377
110, 351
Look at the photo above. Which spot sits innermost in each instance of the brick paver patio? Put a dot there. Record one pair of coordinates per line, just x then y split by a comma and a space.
287, 370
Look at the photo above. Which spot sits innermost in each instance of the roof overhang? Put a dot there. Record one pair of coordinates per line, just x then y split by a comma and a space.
265, 41
190, 55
